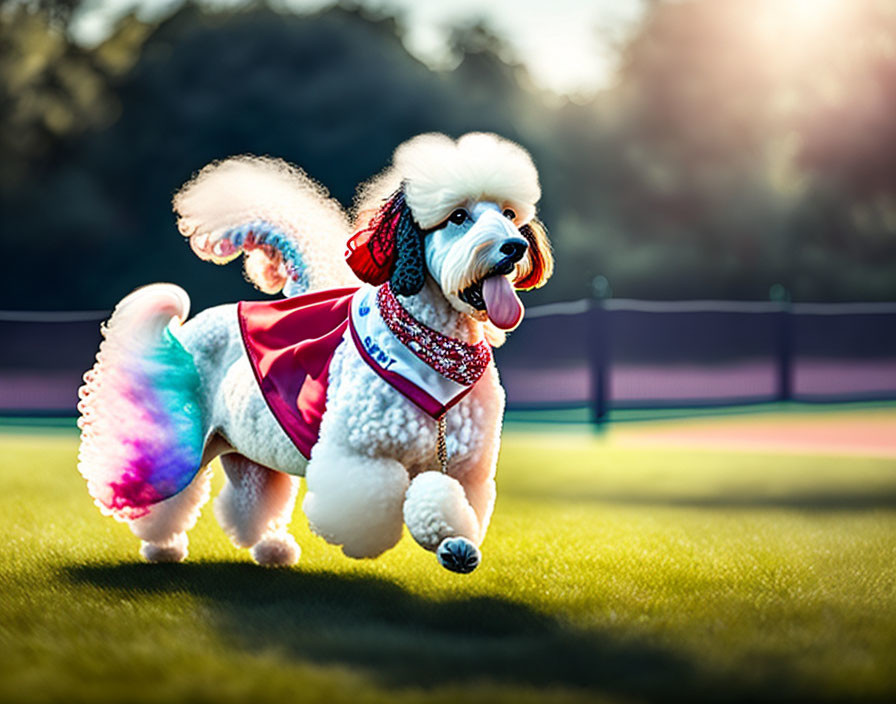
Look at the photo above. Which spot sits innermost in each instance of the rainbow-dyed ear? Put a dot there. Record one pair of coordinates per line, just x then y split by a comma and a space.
538, 265
381, 249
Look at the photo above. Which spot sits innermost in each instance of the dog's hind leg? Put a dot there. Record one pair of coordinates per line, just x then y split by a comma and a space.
255, 508
163, 531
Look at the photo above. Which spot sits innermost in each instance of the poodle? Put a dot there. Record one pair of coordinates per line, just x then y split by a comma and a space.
372, 378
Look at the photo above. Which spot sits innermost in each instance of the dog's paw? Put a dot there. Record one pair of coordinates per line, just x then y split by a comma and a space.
175, 550
276, 549
458, 555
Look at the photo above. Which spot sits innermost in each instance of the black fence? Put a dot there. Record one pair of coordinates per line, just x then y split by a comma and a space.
596, 354
646, 354
42, 359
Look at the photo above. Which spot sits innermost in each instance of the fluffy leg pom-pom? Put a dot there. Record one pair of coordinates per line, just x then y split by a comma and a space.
276, 549
355, 501
174, 550
436, 507
458, 555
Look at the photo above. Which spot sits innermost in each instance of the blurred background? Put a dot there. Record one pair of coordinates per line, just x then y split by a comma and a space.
719, 183
735, 150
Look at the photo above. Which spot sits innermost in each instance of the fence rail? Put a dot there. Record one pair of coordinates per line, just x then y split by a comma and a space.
599, 354
624, 353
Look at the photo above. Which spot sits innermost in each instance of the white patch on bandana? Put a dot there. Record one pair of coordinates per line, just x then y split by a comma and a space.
389, 357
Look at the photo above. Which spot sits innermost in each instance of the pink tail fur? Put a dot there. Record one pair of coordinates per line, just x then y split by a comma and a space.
141, 426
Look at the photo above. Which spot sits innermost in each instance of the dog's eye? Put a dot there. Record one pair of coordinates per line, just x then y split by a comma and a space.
458, 217
509, 214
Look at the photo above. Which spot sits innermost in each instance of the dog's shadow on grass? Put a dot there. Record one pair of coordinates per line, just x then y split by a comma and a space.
406, 640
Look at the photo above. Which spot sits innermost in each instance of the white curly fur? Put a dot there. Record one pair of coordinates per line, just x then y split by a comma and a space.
372, 469
173, 549
441, 173
276, 549
174, 516
246, 189
255, 500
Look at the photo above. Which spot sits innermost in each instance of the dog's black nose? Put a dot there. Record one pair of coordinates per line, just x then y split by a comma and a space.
514, 250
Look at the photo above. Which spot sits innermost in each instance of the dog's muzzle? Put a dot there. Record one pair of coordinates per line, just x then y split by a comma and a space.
513, 249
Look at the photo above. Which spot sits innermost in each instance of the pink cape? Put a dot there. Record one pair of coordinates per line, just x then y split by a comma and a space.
290, 344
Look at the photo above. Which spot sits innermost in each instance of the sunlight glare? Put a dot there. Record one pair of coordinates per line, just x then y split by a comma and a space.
806, 16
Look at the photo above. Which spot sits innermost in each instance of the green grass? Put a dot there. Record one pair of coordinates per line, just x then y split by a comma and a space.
610, 573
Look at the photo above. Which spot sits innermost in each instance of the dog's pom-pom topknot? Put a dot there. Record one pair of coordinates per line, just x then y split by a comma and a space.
440, 174
437, 174
290, 230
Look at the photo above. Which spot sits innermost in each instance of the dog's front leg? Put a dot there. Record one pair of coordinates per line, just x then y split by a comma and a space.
441, 518
450, 513
354, 500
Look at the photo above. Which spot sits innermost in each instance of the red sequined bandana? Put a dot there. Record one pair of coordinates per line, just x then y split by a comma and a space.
454, 359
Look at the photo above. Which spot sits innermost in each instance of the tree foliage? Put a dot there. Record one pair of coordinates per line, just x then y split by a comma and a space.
728, 158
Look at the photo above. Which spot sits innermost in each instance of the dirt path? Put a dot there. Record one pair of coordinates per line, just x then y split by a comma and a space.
868, 433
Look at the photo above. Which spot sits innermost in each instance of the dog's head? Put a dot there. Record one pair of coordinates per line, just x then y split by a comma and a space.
462, 212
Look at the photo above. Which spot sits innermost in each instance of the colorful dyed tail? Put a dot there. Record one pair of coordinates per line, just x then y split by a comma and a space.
141, 426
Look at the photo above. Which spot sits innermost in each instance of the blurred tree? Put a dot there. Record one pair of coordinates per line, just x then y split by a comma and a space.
847, 220
334, 92
742, 145
751, 130
50, 88
848, 130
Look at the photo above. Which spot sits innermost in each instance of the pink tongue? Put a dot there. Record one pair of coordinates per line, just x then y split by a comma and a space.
503, 306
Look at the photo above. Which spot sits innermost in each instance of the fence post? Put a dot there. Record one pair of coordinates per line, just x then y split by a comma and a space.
784, 334
598, 353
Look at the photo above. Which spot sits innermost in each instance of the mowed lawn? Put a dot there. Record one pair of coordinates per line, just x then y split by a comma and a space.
613, 571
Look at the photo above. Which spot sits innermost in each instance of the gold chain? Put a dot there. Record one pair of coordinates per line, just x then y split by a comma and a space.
442, 446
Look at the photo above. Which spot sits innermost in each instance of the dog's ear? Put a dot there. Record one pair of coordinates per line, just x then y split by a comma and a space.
409, 274
538, 265
372, 250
